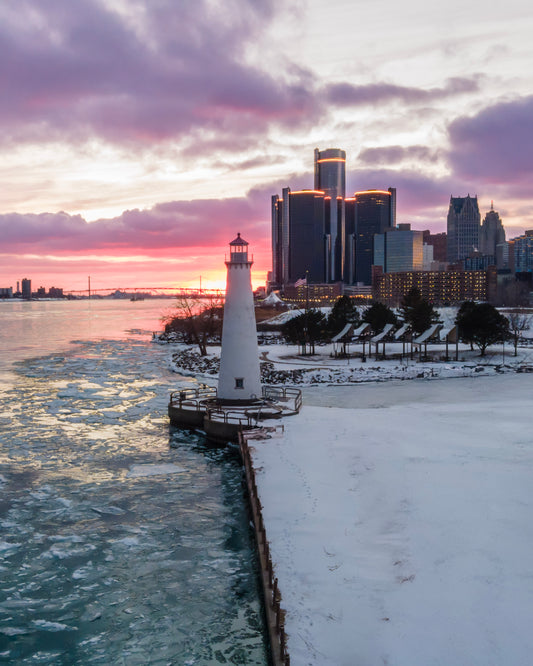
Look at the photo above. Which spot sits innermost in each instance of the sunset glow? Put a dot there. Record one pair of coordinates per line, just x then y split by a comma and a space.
138, 137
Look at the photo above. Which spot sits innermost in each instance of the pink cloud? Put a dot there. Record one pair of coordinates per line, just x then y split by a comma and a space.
161, 230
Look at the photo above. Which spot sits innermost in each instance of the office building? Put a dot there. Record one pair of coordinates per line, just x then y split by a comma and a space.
522, 253
301, 246
463, 227
399, 249
438, 242
491, 233
322, 234
26, 289
438, 287
375, 211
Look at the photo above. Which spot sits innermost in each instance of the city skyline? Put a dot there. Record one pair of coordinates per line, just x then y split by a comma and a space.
157, 148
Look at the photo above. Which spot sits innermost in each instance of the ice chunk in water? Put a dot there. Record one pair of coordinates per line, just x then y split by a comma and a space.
153, 470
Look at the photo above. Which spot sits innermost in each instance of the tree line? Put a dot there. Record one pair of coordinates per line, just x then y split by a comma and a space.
479, 324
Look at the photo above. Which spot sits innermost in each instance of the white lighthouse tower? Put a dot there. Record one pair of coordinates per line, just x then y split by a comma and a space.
239, 379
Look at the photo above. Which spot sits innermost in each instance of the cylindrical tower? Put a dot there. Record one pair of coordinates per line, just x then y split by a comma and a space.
330, 178
239, 380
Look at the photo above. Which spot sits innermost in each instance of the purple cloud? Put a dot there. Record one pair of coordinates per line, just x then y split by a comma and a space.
88, 71
496, 145
347, 94
396, 154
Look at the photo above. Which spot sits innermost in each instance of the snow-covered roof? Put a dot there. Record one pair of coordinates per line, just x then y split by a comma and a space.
388, 328
427, 334
272, 299
449, 333
398, 335
345, 331
360, 330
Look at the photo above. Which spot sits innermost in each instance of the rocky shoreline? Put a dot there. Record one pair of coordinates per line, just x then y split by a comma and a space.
187, 361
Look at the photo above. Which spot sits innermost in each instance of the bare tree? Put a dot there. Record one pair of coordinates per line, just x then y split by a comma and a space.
197, 320
519, 322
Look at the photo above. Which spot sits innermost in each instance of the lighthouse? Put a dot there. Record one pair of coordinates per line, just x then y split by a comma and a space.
239, 380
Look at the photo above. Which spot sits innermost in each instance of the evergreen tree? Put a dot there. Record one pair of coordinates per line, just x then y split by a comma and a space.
343, 312
482, 325
378, 315
417, 312
305, 330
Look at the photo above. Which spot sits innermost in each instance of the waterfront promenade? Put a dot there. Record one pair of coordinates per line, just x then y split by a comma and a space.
399, 522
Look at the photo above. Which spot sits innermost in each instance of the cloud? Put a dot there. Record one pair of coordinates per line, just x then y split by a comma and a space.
158, 70
347, 94
396, 154
495, 146
167, 229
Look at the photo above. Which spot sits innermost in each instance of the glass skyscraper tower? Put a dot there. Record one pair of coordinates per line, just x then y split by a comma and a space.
330, 178
321, 234
374, 213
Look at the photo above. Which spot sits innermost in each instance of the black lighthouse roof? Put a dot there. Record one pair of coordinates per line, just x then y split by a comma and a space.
238, 241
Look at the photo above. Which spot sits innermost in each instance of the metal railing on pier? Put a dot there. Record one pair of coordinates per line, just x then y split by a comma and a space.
192, 396
284, 394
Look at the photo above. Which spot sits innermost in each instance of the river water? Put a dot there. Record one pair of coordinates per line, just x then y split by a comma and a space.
122, 540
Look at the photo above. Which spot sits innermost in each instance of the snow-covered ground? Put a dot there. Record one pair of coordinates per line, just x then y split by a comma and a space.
399, 512
399, 519
287, 367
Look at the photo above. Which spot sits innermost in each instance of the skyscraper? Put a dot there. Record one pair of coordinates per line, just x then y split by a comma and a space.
324, 235
375, 211
301, 245
330, 178
491, 233
463, 227
349, 240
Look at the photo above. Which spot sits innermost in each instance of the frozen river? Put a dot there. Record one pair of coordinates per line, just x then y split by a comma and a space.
122, 541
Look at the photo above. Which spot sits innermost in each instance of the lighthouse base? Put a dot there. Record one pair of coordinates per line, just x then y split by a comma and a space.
223, 420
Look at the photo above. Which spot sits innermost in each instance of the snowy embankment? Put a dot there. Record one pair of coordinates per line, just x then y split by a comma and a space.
399, 513
281, 365
399, 520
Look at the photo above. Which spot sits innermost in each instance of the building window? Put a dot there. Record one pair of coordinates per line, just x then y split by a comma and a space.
239, 382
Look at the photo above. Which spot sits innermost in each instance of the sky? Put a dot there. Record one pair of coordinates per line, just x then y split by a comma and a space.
139, 136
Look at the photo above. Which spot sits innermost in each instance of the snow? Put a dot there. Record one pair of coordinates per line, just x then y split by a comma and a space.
272, 299
399, 521
399, 512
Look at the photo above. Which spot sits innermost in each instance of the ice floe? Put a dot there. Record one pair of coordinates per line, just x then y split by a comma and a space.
148, 469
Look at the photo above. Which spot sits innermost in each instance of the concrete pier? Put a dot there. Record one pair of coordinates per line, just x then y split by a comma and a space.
274, 613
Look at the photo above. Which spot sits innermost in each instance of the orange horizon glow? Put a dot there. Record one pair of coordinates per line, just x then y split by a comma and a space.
147, 275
